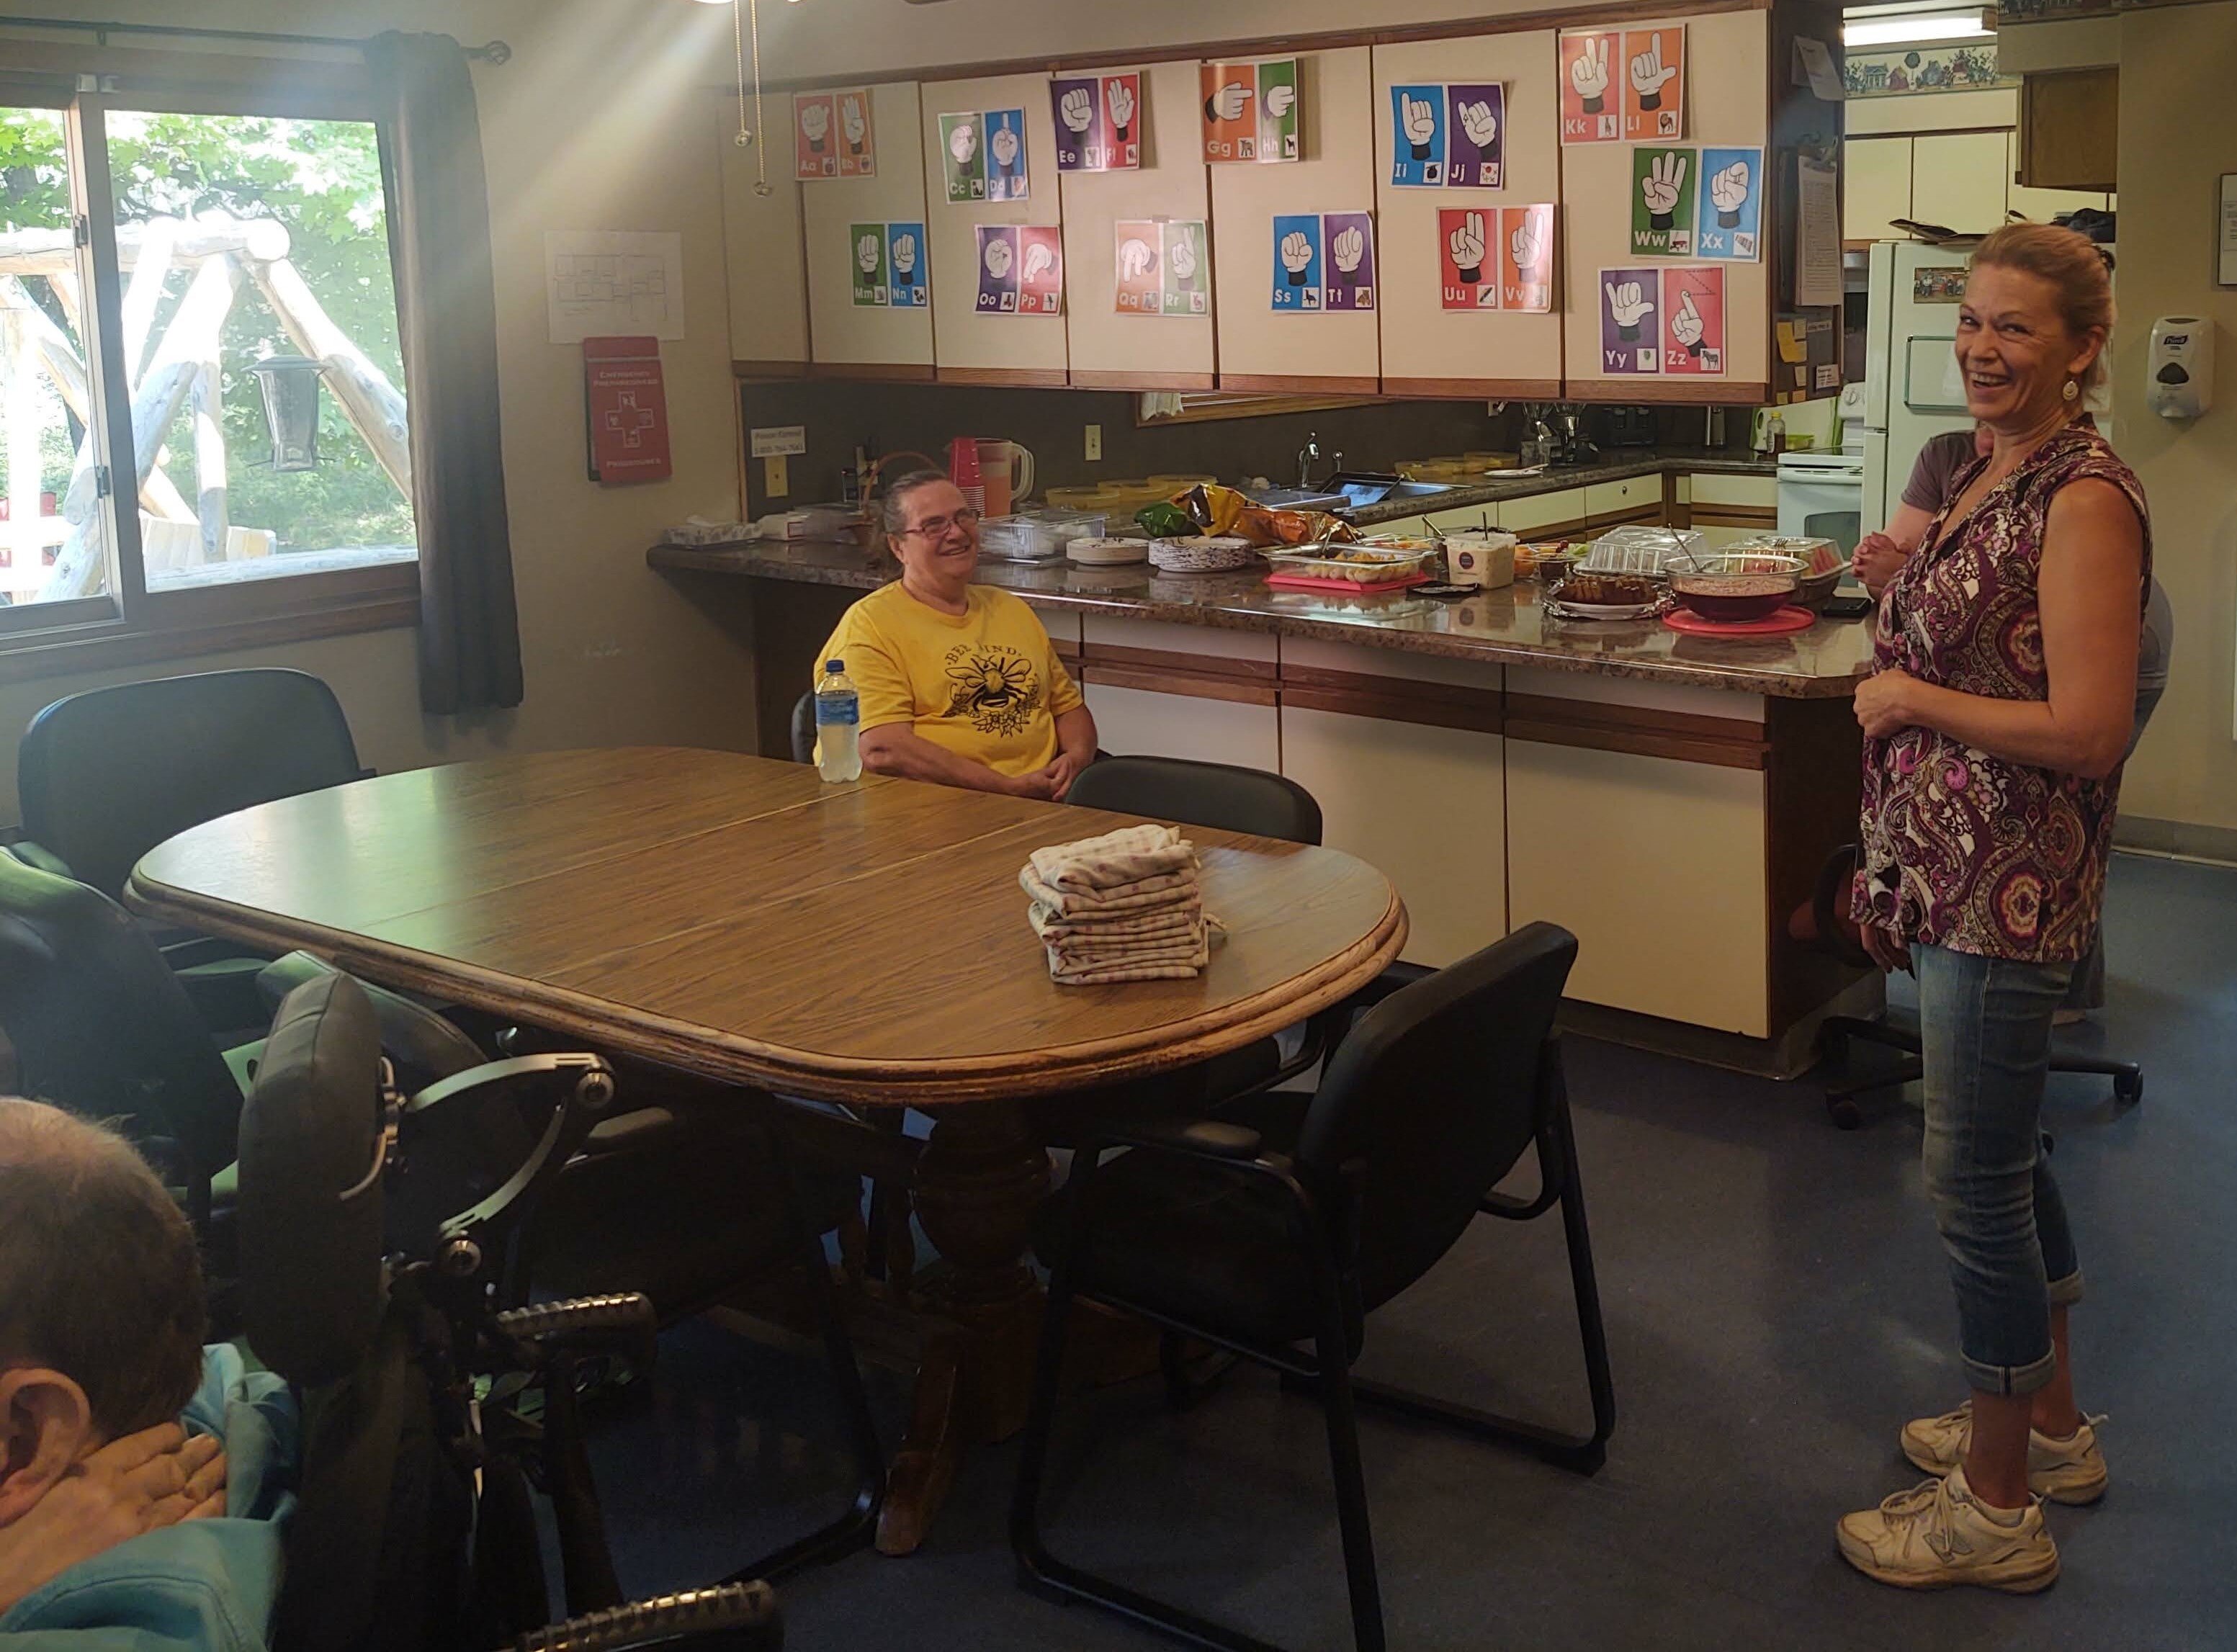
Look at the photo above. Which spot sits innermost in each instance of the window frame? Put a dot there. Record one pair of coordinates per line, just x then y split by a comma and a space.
129, 625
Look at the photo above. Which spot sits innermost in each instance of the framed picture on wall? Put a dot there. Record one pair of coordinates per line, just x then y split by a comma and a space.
2225, 263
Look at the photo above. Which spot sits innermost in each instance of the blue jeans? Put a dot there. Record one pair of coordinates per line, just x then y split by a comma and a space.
1985, 1027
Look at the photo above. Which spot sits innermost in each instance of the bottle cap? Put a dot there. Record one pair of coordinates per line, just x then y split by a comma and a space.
834, 665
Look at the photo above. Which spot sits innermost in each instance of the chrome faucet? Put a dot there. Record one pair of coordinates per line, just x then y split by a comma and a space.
1308, 456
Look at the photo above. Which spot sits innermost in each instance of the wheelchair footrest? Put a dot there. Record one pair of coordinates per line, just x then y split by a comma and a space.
733, 1615
596, 1320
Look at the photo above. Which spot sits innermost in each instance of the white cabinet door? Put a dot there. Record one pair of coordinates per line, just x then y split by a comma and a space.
1165, 691
1427, 349
1876, 189
1626, 497
1958, 179
1141, 722
1540, 510
1371, 733
1115, 352
842, 332
994, 348
1259, 349
1657, 867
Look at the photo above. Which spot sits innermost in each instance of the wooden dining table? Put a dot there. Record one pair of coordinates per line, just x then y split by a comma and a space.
738, 919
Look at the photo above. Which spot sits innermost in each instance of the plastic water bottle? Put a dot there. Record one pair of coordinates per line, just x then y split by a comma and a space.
838, 709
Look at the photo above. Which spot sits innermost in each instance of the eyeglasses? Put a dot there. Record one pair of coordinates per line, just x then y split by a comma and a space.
937, 527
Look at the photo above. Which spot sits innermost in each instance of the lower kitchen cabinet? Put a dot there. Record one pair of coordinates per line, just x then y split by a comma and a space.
1165, 691
1405, 783
1148, 722
1657, 866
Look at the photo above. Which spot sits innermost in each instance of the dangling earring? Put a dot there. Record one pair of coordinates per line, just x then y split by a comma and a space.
2072, 389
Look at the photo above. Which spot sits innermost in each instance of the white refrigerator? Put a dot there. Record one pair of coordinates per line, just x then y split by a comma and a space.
1912, 388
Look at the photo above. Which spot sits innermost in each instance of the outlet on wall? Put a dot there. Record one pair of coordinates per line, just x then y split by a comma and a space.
1095, 441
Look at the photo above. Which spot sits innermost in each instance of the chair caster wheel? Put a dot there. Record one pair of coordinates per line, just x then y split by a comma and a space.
2129, 1089
1841, 1110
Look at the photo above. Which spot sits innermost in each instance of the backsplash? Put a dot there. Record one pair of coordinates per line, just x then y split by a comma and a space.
889, 418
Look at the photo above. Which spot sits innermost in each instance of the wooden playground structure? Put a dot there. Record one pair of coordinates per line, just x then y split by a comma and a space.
176, 372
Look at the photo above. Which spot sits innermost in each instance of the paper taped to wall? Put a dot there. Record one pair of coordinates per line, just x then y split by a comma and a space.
602, 282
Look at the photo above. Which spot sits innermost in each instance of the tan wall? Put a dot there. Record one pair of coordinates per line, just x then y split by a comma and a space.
595, 124
2171, 154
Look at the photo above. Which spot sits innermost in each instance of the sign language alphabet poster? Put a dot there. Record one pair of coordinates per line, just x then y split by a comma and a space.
1349, 239
1693, 320
857, 152
1098, 121
1630, 302
1526, 253
1136, 243
1654, 83
982, 155
1187, 267
905, 253
1006, 155
1476, 136
1298, 261
1592, 98
1662, 186
998, 274
1250, 111
1041, 270
1731, 205
813, 154
1417, 136
868, 241
1468, 258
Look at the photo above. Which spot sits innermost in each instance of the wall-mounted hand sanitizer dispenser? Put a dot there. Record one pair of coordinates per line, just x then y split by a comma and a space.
2181, 366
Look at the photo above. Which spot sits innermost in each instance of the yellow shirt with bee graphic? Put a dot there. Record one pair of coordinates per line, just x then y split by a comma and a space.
984, 684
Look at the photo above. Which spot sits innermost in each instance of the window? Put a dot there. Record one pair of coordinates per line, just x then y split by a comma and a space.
203, 416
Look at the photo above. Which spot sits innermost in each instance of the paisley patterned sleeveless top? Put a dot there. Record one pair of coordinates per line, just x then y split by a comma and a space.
1961, 849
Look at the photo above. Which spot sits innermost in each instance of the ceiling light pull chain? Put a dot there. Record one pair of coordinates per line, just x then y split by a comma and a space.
761, 152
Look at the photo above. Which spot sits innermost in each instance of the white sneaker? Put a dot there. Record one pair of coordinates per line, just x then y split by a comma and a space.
1935, 1536
2069, 1471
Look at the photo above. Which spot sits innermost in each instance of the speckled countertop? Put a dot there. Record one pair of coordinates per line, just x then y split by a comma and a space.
1621, 466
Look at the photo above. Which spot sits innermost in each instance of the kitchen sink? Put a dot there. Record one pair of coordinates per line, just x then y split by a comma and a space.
1349, 491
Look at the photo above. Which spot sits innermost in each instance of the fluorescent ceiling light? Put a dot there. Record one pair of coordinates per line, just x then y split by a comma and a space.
1931, 25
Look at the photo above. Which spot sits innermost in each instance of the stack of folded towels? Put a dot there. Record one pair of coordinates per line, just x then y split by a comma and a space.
1125, 906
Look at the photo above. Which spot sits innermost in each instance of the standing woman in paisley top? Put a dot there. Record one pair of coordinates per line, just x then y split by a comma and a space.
1994, 724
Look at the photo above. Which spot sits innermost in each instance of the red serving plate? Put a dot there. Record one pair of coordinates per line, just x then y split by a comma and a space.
1786, 619
1348, 588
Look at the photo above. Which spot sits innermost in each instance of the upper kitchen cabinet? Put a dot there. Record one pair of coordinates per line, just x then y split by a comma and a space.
1314, 350
761, 246
1115, 350
1427, 348
1729, 89
971, 130
855, 256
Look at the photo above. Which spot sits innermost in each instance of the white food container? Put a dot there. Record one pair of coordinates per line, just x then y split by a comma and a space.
1480, 556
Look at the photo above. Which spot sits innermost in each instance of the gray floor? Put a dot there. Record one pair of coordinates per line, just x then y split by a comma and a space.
1777, 1306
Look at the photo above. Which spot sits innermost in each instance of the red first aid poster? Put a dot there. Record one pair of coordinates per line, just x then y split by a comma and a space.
625, 407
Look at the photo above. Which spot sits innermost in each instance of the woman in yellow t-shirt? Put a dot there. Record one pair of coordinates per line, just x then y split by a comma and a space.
959, 682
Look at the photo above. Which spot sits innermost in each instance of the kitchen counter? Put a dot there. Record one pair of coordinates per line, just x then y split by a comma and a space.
1504, 627
1618, 465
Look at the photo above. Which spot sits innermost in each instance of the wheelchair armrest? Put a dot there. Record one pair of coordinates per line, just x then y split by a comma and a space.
39, 859
572, 1091
739, 1616
414, 1036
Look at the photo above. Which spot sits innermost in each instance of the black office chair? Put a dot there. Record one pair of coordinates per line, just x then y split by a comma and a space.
1286, 1219
107, 774
803, 729
1221, 795
1829, 911
415, 1530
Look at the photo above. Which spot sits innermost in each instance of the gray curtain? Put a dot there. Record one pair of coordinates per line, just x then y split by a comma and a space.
438, 234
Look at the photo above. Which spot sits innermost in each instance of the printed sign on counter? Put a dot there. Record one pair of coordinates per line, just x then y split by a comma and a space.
1250, 111
1298, 261
1098, 121
1468, 258
1475, 135
1630, 300
1693, 320
1662, 186
1526, 251
1592, 102
1654, 83
1417, 136
1731, 205
1349, 238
